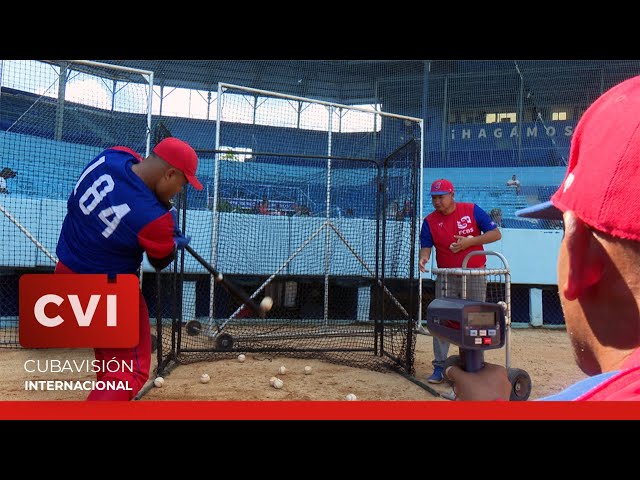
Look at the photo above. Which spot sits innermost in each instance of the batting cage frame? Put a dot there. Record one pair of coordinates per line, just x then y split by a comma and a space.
47, 143
344, 283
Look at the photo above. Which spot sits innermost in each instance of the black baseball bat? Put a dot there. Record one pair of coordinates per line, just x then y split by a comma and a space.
235, 291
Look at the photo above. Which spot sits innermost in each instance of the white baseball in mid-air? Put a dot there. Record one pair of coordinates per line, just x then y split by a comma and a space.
277, 383
266, 304
241, 358
307, 370
351, 397
204, 378
282, 370
158, 382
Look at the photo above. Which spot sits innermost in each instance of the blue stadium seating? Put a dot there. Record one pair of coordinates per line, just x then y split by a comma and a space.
464, 163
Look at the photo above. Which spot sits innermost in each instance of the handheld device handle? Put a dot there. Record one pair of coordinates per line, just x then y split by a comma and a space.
472, 360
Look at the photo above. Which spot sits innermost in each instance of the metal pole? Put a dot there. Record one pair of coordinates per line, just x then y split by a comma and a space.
148, 142
423, 147
327, 238
214, 210
149, 113
112, 66
507, 299
158, 316
383, 256
62, 85
445, 133
113, 95
412, 264
26, 232
376, 275
376, 340
319, 102
520, 120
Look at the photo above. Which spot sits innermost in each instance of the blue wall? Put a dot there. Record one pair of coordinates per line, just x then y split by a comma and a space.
532, 254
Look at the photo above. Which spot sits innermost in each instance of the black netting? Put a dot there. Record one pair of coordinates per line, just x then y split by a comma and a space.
483, 122
299, 217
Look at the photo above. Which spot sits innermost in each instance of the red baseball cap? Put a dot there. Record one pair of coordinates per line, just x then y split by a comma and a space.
602, 184
180, 155
441, 187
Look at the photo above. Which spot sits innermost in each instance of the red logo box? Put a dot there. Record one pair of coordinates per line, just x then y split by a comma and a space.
78, 311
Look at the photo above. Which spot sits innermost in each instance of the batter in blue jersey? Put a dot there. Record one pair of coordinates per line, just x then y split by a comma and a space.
119, 208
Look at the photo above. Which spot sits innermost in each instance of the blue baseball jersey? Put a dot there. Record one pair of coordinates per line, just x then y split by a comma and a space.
112, 218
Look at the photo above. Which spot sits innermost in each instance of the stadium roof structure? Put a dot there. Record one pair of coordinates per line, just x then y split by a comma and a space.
341, 81
400, 86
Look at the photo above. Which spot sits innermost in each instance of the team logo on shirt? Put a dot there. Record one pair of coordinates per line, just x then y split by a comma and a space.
464, 222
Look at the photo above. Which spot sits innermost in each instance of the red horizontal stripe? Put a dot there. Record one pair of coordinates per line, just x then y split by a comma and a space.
320, 410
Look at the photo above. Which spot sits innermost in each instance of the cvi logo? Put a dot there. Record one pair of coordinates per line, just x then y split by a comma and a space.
78, 311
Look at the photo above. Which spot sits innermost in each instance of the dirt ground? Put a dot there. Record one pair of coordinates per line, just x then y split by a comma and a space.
545, 354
